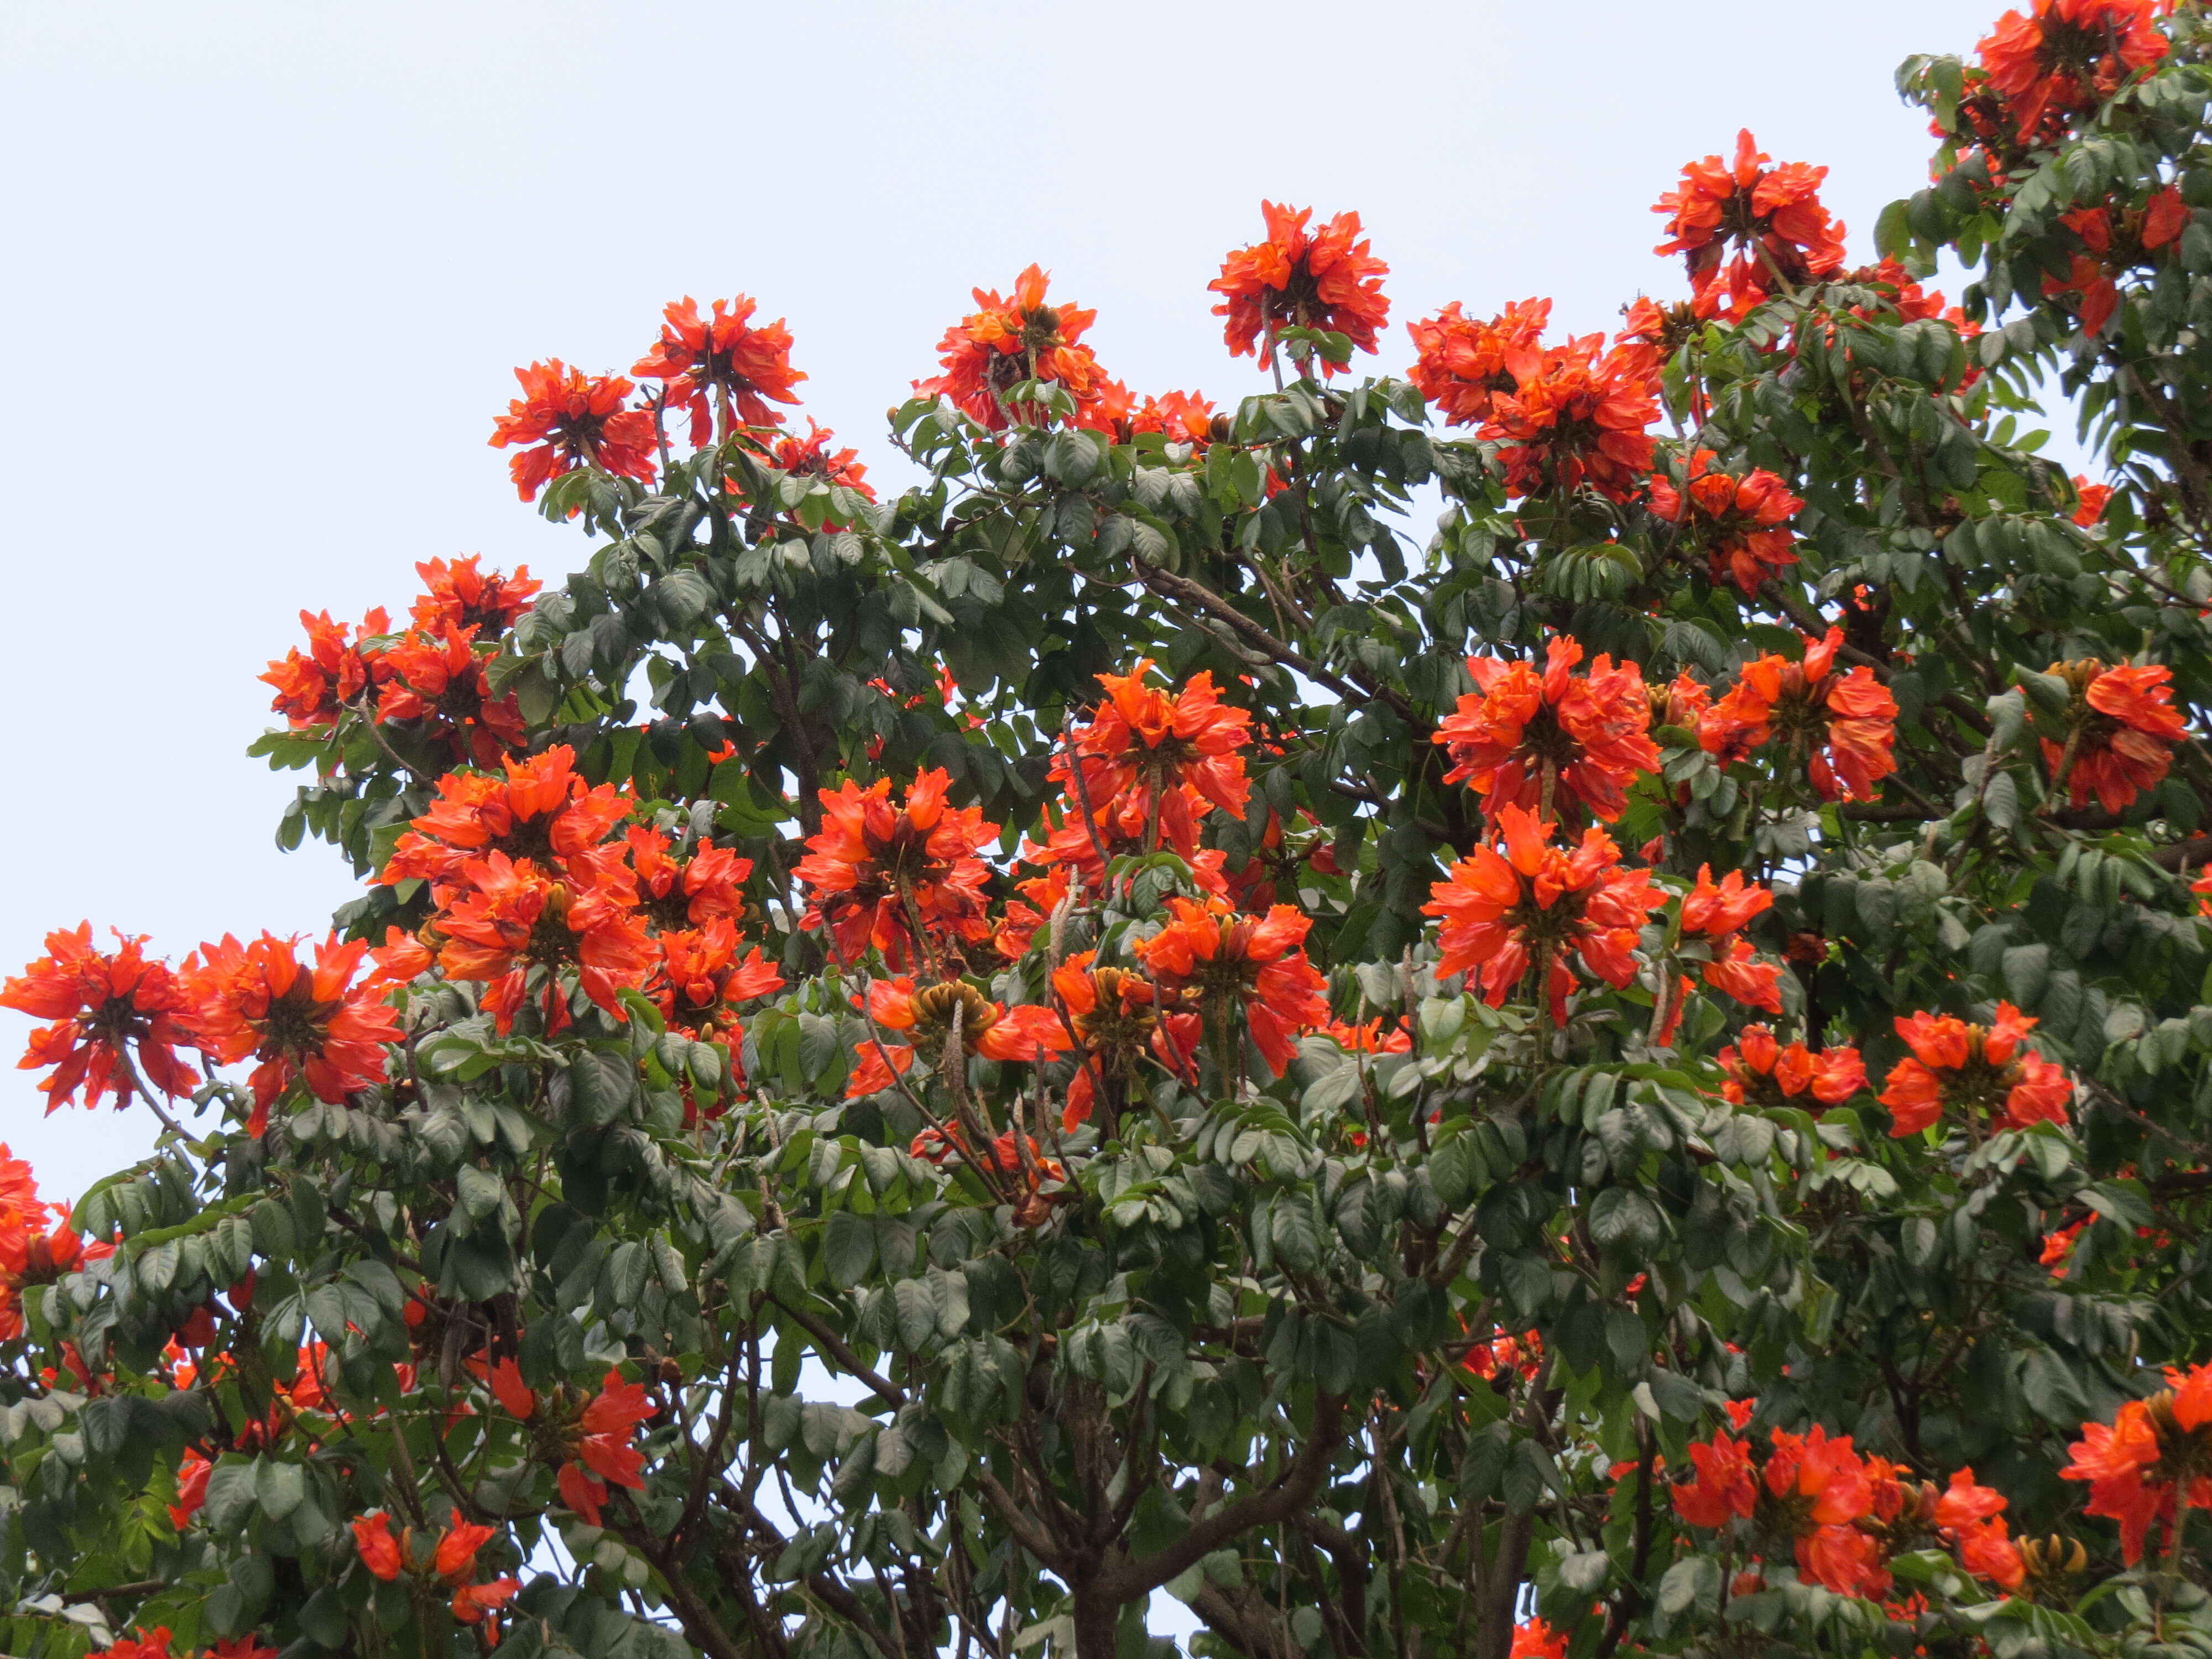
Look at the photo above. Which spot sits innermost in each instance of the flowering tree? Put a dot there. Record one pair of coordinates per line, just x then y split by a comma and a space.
1638, 1074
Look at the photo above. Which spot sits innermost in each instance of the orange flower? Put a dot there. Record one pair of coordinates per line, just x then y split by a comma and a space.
377, 1546
1462, 368
2121, 726
1551, 740
1503, 1354
1846, 721
724, 357
1181, 417
877, 872
2065, 57
1534, 1639
1770, 217
474, 1603
455, 1556
2099, 295
104, 1007
1325, 279
697, 890
256, 1000
810, 457
1718, 913
438, 679
602, 1449
1536, 903
986, 1028
32, 1254
1372, 1038
1163, 761
141, 1643
508, 916
400, 960
1221, 958
2089, 500
1759, 1072
2153, 1452
574, 419
1011, 339
461, 596
1735, 521
539, 808
1823, 1487
1725, 1483
1574, 417
1983, 1068
701, 978
193, 1473
313, 690
1970, 1516
1116, 1017
1653, 333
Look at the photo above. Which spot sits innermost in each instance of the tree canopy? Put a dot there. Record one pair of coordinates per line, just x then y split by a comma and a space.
907, 1072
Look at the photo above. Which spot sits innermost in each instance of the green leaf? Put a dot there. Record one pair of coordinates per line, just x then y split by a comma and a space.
848, 1249
1625, 1220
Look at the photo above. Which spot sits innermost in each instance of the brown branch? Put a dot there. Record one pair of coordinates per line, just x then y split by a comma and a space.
1029, 1532
1292, 1491
1171, 585
830, 1344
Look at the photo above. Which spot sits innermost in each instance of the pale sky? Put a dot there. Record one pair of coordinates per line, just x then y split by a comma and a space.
270, 266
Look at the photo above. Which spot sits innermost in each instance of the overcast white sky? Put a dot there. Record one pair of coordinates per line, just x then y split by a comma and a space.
269, 267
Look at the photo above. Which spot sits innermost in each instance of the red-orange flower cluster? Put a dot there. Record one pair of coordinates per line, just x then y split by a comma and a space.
1745, 228
722, 357
1551, 741
1760, 1072
567, 419
107, 1007
313, 689
1464, 364
1181, 417
1576, 414
1845, 1513
449, 1561
1009, 339
1322, 279
2155, 1456
810, 457
1719, 913
1986, 1069
924, 1017
460, 595
2062, 58
897, 877
1118, 1017
1147, 766
38, 1244
1736, 521
1218, 958
602, 1446
2121, 727
258, 1000
1846, 722
440, 679
1535, 903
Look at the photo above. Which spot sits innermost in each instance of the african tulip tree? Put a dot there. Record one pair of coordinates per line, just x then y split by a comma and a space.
909, 1071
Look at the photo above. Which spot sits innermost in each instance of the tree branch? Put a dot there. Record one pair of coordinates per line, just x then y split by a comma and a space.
1170, 586
1292, 1491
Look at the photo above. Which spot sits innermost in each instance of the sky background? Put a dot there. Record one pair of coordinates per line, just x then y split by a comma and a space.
270, 266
